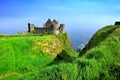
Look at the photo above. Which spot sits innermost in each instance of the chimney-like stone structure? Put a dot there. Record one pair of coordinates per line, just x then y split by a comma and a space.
48, 23
30, 28
62, 28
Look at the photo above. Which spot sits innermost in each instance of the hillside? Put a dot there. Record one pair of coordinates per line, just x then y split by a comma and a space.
26, 53
104, 49
99, 60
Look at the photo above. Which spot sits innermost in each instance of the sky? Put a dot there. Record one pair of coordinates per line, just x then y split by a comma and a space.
81, 17
78, 15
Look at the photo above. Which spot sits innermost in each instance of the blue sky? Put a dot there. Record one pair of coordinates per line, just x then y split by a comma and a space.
78, 15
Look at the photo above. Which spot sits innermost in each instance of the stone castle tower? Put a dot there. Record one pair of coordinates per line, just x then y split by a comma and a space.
30, 28
62, 28
51, 27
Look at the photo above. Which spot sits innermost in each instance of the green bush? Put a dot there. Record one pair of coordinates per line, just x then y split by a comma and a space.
62, 71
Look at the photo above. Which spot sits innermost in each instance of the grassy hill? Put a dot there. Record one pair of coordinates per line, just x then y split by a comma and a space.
27, 53
104, 48
99, 60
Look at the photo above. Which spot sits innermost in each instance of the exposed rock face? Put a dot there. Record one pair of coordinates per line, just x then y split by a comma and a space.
52, 27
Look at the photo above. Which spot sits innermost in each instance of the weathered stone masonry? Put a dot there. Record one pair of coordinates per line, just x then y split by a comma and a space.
52, 27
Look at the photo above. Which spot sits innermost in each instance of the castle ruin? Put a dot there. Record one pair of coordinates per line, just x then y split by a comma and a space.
51, 27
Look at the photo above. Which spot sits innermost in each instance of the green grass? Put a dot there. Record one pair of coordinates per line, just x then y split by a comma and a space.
99, 37
23, 53
106, 51
100, 60
27, 53
36, 59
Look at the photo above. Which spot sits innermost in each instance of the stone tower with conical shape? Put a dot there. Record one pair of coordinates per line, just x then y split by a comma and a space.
62, 28
30, 28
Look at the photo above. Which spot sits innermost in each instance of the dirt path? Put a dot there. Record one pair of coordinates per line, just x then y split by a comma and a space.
7, 74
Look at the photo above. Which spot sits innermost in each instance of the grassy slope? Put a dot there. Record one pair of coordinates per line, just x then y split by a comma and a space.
98, 37
104, 47
100, 60
106, 42
27, 53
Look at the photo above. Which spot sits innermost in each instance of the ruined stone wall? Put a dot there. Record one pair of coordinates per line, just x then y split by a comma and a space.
55, 28
30, 28
49, 27
40, 30
43, 30
62, 28
48, 23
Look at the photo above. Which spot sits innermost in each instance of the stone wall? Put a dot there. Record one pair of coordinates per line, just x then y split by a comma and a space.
117, 23
62, 28
30, 28
49, 27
